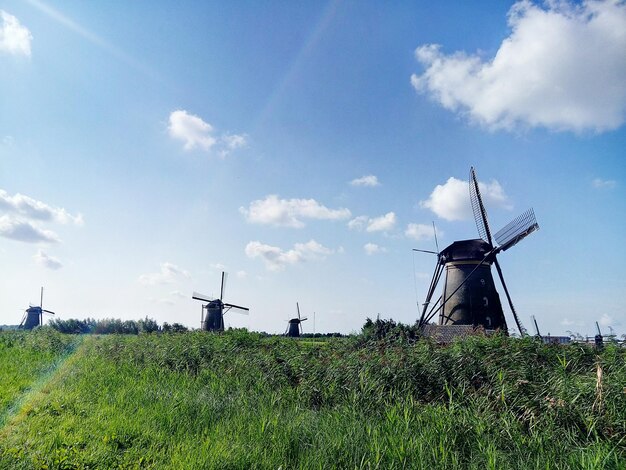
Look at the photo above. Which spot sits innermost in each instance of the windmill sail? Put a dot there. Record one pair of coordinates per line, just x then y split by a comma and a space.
516, 230
237, 308
480, 214
199, 296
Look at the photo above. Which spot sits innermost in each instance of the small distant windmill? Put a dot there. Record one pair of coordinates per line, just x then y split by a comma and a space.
469, 295
294, 328
33, 315
213, 320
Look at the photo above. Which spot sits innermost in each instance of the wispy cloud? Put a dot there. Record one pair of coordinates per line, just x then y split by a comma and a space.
529, 81
289, 212
383, 223
47, 261
168, 274
194, 132
231, 142
171, 298
451, 200
421, 232
373, 248
277, 259
600, 183
36, 210
568, 322
368, 180
608, 320
24, 231
14, 38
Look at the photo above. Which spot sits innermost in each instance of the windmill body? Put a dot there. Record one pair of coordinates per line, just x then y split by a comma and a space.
469, 287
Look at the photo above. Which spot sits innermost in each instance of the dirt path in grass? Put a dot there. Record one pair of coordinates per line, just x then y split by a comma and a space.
39, 388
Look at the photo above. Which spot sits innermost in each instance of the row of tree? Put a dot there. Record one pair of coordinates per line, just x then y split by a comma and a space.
134, 327
113, 326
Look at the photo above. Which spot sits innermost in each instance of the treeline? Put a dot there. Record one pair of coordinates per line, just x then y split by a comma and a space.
109, 326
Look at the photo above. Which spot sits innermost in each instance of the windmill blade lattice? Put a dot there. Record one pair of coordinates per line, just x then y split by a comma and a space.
516, 230
478, 208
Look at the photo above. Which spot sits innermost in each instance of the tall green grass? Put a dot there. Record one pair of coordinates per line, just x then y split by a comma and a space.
238, 400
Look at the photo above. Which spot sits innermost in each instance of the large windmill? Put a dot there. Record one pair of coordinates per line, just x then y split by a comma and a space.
294, 327
213, 320
33, 315
469, 294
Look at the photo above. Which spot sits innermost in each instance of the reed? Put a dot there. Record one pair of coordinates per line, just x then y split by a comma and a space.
239, 400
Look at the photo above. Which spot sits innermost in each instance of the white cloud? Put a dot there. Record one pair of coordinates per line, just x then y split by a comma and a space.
383, 223
563, 67
24, 231
289, 212
276, 259
599, 183
47, 261
168, 274
368, 180
567, 322
230, 142
36, 210
373, 248
196, 133
358, 223
451, 201
178, 294
14, 38
234, 141
191, 129
420, 232
241, 274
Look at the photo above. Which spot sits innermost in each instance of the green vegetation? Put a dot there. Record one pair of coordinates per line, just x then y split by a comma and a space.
25, 358
240, 400
109, 326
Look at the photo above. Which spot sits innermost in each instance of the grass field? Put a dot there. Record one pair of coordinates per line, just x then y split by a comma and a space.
237, 400
26, 360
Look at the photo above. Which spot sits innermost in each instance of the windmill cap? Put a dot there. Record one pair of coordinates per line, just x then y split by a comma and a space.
466, 250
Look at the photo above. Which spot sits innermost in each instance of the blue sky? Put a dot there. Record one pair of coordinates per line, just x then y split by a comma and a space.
306, 148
